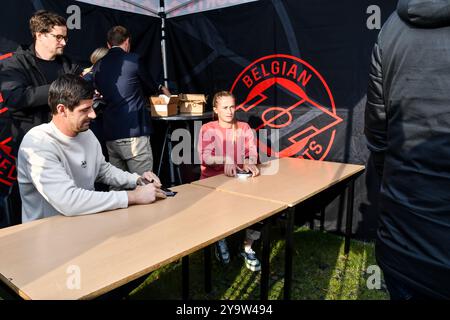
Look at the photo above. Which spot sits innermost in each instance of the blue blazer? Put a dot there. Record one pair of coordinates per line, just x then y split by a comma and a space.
125, 85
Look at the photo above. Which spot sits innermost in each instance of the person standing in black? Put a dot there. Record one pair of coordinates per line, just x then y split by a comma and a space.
408, 133
25, 77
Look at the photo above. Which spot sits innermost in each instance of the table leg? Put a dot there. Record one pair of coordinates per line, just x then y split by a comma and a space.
311, 223
289, 252
322, 218
8, 293
207, 262
185, 277
179, 174
169, 150
265, 260
349, 218
161, 158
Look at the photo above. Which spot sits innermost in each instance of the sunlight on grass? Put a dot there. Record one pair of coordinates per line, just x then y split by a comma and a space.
247, 282
242, 286
321, 271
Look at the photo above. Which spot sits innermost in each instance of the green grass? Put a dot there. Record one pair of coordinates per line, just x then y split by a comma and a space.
320, 271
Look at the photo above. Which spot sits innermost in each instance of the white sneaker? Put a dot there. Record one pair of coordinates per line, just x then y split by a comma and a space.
251, 261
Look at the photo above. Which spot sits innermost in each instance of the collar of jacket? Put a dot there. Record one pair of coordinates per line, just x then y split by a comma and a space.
29, 53
26, 56
117, 49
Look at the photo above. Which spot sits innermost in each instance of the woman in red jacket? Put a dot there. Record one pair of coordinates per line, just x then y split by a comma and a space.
228, 146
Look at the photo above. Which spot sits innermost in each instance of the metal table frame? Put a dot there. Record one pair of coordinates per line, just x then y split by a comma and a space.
167, 143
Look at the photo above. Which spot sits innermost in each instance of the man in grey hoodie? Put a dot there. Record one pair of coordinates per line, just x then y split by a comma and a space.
408, 133
60, 161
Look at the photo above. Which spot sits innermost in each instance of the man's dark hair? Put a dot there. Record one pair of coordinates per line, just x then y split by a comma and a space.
69, 90
117, 35
43, 21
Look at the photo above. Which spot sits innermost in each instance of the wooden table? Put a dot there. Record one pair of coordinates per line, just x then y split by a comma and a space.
290, 181
110, 249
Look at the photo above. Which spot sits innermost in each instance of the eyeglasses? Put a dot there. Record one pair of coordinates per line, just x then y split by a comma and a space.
59, 37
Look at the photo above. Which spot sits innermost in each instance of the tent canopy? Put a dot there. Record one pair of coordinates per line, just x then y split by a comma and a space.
172, 8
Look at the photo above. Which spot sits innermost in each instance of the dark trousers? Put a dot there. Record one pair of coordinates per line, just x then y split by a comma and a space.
399, 290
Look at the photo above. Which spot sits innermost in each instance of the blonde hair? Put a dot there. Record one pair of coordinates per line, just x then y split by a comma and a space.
220, 95
98, 54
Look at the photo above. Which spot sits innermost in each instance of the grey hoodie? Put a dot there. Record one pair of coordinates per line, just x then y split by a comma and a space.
425, 13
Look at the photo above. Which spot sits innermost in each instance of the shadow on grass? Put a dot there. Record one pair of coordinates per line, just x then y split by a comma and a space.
320, 271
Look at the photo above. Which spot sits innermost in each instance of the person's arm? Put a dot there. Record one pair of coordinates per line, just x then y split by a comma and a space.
150, 86
71, 67
49, 177
210, 147
17, 92
77, 69
144, 194
251, 149
146, 187
375, 113
113, 176
251, 152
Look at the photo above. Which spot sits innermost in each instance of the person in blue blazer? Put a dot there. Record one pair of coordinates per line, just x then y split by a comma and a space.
125, 86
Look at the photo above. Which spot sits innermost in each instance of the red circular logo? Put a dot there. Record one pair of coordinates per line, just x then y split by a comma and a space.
286, 93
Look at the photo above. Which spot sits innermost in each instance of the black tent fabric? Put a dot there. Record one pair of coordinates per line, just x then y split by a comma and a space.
14, 29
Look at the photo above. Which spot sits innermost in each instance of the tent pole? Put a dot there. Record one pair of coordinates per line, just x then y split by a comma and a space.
162, 15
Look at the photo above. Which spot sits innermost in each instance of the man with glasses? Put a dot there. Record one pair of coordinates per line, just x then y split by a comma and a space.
26, 76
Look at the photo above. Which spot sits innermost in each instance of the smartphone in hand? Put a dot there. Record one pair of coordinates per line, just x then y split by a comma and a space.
168, 192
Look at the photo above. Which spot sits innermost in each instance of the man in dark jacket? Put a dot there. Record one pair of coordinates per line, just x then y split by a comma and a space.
25, 77
408, 132
125, 86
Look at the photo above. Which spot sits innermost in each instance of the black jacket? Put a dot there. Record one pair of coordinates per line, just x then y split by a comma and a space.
408, 132
25, 90
120, 78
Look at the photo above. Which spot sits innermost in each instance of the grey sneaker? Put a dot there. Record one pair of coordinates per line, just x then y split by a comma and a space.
251, 261
222, 253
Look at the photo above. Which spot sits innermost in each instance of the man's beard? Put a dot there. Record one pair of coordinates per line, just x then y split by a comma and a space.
84, 127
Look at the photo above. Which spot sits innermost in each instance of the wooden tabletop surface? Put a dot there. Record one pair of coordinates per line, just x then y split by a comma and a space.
42, 259
288, 181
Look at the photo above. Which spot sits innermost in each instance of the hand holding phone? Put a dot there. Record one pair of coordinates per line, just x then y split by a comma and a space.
168, 192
